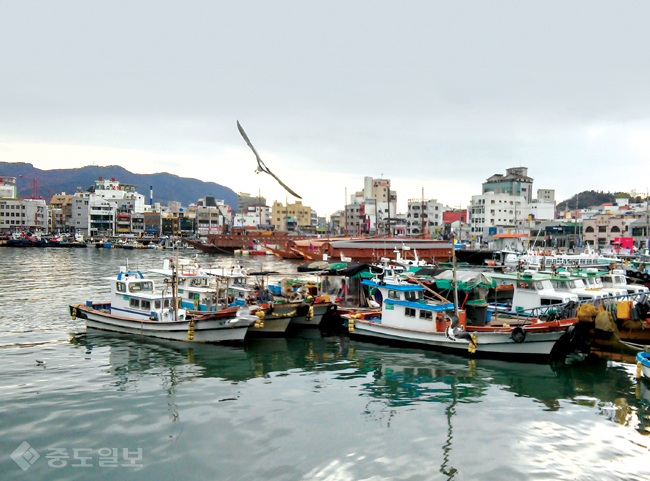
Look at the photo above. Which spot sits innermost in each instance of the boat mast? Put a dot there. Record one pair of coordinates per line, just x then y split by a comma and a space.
175, 287
453, 258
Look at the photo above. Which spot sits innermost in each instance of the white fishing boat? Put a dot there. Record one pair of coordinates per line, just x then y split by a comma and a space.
406, 316
136, 308
617, 278
529, 291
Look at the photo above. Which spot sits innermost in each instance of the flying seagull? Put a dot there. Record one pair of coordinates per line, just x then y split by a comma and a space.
261, 167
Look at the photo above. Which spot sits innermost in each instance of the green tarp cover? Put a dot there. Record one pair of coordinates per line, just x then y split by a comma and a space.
466, 280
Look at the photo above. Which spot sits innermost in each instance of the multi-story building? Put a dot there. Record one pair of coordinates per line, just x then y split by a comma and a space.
61, 205
515, 183
244, 201
370, 210
291, 218
137, 224
152, 223
257, 217
22, 214
8, 188
601, 229
424, 217
209, 220
492, 213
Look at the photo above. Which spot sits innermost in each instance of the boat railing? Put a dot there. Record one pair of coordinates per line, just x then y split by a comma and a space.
524, 315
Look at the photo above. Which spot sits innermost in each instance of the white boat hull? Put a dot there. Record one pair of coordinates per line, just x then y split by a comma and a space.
271, 326
224, 329
490, 343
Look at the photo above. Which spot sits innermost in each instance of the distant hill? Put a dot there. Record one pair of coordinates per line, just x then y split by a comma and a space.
591, 198
166, 187
588, 198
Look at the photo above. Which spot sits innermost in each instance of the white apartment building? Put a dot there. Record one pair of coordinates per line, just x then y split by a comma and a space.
21, 214
424, 216
257, 216
491, 213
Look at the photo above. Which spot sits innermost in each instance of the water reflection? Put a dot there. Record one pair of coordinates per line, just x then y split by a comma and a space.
391, 378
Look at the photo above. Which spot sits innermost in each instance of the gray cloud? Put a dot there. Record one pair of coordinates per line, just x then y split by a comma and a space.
442, 90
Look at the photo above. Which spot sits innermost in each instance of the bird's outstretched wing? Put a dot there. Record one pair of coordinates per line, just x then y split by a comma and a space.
261, 167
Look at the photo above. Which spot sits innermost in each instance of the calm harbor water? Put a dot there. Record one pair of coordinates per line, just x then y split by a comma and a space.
312, 406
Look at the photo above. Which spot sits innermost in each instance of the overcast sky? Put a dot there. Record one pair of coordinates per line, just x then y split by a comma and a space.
433, 95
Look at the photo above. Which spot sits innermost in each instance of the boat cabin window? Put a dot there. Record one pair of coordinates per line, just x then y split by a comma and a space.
134, 303
543, 285
548, 302
393, 295
413, 296
168, 303
120, 287
619, 280
140, 286
578, 284
145, 305
158, 304
428, 315
526, 285
409, 312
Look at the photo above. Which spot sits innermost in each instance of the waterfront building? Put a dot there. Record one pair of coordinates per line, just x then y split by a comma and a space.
255, 216
23, 214
61, 206
291, 218
152, 223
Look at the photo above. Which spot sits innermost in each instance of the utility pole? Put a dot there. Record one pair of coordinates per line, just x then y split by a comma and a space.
647, 219
388, 208
422, 214
376, 215
346, 211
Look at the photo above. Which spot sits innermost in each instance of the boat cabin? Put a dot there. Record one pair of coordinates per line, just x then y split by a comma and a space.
565, 282
532, 290
403, 305
617, 279
134, 296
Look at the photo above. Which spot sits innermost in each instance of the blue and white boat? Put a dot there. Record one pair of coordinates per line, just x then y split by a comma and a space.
136, 308
406, 316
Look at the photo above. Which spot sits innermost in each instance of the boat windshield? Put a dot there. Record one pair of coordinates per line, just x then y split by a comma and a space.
141, 286
542, 285
414, 295
578, 284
